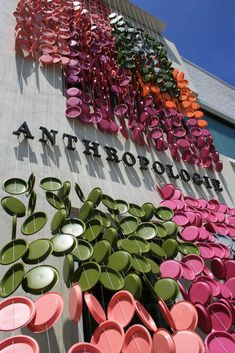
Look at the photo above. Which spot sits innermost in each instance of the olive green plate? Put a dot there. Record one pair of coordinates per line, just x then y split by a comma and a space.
136, 210
171, 247
40, 279
79, 193
83, 250
146, 230
149, 211
133, 284
95, 196
106, 222
164, 213
58, 221
155, 269
171, 228
141, 243
63, 244
93, 230
35, 222
189, 248
87, 275
15, 186
111, 279
38, 251
140, 264
128, 245
32, 202
111, 235
13, 206
157, 251
161, 231
122, 206
31, 182
12, 280
167, 289
129, 224
73, 226
54, 200
68, 269
101, 251
120, 261
65, 190
51, 184
109, 202
13, 251
86, 210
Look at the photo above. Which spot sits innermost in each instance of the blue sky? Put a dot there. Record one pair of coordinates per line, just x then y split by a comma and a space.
202, 30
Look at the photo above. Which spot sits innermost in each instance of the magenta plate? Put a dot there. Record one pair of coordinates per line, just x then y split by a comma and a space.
203, 234
213, 284
73, 112
156, 133
190, 233
171, 269
221, 316
177, 195
73, 101
180, 205
202, 203
73, 92
180, 219
218, 250
204, 319
179, 132
225, 292
167, 191
169, 203
192, 217
200, 292
183, 143
230, 283
191, 201
205, 250
195, 262
208, 272
218, 268
220, 342
187, 272
229, 268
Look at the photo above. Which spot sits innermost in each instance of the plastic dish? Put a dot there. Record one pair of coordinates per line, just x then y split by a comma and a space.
58, 221
220, 342
75, 303
38, 251
188, 341
171, 269
19, 344
13, 251
121, 308
13, 206
87, 275
184, 315
133, 284
204, 319
163, 342
109, 337
51, 184
83, 251
34, 223
95, 308
82, 347
200, 292
12, 280
221, 316
40, 279
15, 186
63, 244
111, 279
195, 262
145, 317
137, 339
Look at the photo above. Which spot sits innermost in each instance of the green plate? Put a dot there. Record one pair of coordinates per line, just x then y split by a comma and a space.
67, 205
111, 235
68, 269
87, 275
101, 251
136, 210
188, 248
12, 280
86, 210
83, 250
171, 247
13, 206
54, 200
93, 230
73, 226
111, 279
15, 186
128, 245
63, 244
95, 196
171, 228
109, 202
58, 221
51, 184
13, 251
149, 211
31, 182
164, 213
40, 279
141, 243
79, 193
157, 251
167, 289
146, 230
120, 261
106, 222
122, 206
38, 251
32, 202
129, 224
35, 222
133, 284
155, 269
65, 190
140, 264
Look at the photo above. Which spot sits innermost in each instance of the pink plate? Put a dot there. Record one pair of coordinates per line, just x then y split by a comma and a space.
220, 342
83, 347
15, 312
46, 59
187, 273
229, 268
204, 319
171, 269
75, 303
145, 317
137, 339
213, 284
19, 344
190, 233
156, 133
206, 251
188, 341
169, 203
94, 307
200, 292
167, 191
218, 268
48, 309
230, 283
166, 314
218, 250
73, 101
121, 308
183, 291
195, 262
184, 315
108, 337
181, 219
73, 112
163, 342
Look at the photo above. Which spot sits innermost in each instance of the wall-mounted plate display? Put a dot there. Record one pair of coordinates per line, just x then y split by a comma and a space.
87, 275
13, 206
34, 223
121, 308
73, 226
13, 251
136, 210
164, 213
38, 251
83, 250
111, 279
63, 244
19, 344
93, 230
12, 280
51, 184
15, 186
86, 210
108, 337
146, 230
129, 224
40, 279
137, 339
54, 200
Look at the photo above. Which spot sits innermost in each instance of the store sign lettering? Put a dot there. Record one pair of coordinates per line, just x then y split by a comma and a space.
93, 149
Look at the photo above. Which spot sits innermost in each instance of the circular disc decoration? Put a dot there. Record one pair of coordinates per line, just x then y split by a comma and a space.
136, 210
155, 269
221, 316
111, 235
164, 213
146, 230
48, 309
75, 303
120, 261
171, 247
19, 344
166, 314
204, 319
51, 184
163, 342
109, 202
111, 279
188, 341
122, 206
38, 251
83, 251
13, 251
95, 308
84, 347
108, 337
34, 223
149, 210
157, 251
95, 196
31, 182
11, 280
32, 202
129, 224
121, 308
15, 312
101, 251
63, 244
195, 262
58, 221
140, 264
145, 317
200, 292
15, 186
73, 226
54, 200
101, 216
137, 339
87, 275
184, 315
68, 269
171, 269
167, 289
86, 210
93, 229
188, 248
13, 206
133, 284
79, 193
220, 342
40, 279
